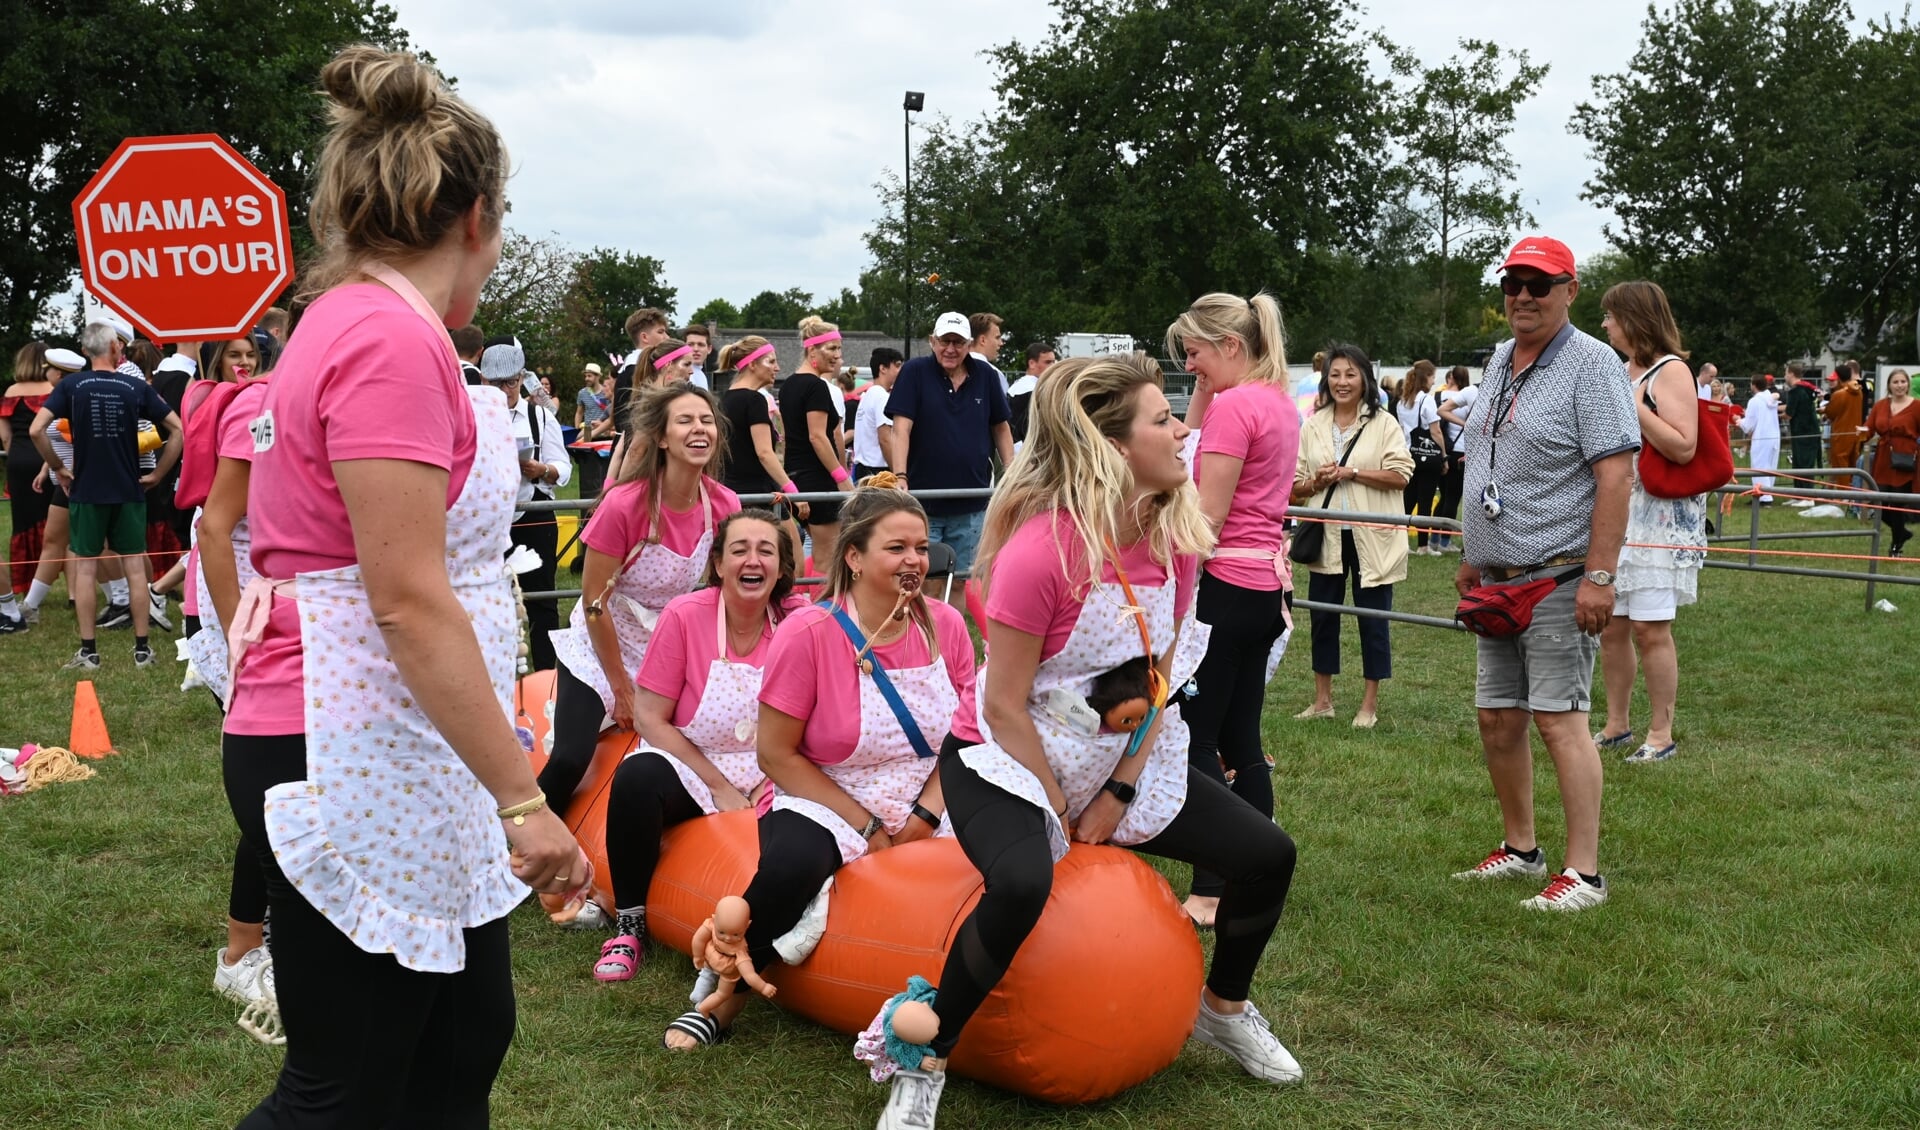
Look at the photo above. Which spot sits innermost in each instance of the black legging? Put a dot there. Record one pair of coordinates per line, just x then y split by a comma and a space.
1451, 485
647, 799
369, 1042
577, 714
1896, 516
796, 857
539, 531
1223, 715
247, 896
1006, 838
1418, 495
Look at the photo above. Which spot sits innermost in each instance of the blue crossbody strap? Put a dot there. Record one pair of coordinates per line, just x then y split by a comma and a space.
880, 680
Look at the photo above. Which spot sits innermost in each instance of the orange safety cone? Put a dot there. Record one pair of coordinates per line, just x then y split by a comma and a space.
88, 738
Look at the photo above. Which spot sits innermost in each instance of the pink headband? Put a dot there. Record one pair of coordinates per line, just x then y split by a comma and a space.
830, 335
752, 357
660, 363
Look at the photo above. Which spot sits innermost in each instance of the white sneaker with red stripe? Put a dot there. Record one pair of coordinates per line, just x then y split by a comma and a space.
1505, 863
1569, 891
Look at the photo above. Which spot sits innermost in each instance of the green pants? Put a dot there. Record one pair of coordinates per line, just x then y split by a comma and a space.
97, 526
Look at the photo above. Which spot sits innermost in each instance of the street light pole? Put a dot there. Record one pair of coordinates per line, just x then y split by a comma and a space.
915, 100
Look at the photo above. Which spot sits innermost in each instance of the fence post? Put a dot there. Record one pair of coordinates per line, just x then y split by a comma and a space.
1873, 562
1753, 535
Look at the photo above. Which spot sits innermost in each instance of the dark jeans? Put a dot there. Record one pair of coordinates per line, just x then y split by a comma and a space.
577, 714
1421, 485
1006, 838
370, 1043
1376, 654
1223, 713
538, 531
646, 800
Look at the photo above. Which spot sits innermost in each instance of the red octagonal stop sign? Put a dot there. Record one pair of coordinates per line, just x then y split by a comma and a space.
183, 236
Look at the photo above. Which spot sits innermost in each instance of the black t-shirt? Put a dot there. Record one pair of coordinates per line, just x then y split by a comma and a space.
622, 399
105, 410
742, 408
801, 393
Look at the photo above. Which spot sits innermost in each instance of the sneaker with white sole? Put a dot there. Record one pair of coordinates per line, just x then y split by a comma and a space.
1246, 1037
914, 1100
1505, 863
116, 616
241, 980
143, 657
157, 612
1569, 891
82, 661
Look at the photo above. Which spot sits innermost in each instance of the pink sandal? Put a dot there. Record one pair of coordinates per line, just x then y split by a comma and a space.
619, 959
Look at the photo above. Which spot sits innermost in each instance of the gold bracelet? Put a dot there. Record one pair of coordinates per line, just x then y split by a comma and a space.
518, 813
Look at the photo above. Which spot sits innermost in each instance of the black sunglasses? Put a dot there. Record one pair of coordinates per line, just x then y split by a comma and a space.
1539, 286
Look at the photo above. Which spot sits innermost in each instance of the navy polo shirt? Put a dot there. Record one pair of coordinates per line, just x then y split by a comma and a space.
952, 443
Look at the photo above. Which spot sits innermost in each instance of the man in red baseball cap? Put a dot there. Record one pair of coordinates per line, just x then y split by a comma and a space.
1548, 452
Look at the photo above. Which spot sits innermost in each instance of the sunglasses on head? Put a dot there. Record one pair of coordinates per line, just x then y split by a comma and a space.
1539, 286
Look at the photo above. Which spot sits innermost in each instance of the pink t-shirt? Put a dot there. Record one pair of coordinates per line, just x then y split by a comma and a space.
1259, 425
684, 645
620, 521
364, 377
1039, 598
235, 441
810, 663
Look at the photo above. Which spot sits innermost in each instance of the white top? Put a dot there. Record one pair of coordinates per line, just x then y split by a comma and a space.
866, 427
698, 378
1460, 400
1762, 420
1421, 414
552, 448
839, 401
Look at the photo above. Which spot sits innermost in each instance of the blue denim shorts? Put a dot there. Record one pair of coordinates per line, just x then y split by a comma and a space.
961, 533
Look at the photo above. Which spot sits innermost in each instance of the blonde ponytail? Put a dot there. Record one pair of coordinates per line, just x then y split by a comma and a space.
1253, 322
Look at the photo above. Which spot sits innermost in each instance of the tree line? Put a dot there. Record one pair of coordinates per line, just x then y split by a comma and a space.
1760, 157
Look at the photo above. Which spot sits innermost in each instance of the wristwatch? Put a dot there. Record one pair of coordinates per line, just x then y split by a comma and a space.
1600, 577
874, 824
1122, 792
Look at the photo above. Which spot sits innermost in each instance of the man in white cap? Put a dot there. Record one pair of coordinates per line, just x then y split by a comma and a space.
949, 419
544, 468
108, 510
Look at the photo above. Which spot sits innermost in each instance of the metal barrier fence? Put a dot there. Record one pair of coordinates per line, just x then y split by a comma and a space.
1870, 498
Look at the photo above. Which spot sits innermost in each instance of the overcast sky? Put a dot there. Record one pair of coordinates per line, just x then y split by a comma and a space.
739, 140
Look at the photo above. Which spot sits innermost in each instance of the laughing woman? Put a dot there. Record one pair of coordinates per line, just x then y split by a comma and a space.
854, 774
698, 712
648, 542
1090, 551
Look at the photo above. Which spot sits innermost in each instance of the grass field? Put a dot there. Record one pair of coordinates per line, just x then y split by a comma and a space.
1757, 965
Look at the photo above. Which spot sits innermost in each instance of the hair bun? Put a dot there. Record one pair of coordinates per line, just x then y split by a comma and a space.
882, 480
385, 86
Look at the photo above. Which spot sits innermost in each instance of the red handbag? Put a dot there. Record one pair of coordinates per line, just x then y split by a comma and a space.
1710, 467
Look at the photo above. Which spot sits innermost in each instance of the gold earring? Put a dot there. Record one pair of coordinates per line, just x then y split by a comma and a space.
856, 574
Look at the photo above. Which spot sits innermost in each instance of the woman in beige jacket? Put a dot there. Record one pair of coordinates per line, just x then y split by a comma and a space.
1369, 480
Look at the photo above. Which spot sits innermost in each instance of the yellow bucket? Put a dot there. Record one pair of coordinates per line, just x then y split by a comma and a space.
569, 526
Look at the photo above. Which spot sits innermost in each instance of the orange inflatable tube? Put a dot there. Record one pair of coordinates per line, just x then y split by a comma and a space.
1101, 997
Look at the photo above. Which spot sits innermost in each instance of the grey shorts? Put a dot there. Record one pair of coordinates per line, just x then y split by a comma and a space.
1547, 669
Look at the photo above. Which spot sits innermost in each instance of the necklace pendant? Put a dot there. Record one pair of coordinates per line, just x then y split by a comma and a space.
866, 667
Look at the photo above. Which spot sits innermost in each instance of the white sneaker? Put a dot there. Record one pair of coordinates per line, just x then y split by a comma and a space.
241, 980
1247, 1038
1568, 891
157, 612
914, 1100
1504, 864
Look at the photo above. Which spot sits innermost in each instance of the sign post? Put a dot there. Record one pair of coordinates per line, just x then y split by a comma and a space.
183, 236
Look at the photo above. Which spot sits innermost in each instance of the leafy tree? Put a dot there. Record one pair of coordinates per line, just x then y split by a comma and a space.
1722, 151
776, 309
1142, 154
77, 78
1458, 170
1597, 273
1873, 272
716, 312
527, 297
608, 286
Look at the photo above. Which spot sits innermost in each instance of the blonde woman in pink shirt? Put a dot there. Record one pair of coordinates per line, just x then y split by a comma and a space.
1249, 439
369, 747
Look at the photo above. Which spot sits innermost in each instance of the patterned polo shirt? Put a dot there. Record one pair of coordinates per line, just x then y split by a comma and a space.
1537, 434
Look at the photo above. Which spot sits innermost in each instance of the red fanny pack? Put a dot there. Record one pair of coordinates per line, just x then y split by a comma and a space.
1502, 610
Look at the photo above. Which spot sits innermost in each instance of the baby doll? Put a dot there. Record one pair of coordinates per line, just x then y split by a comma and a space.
1123, 696
720, 944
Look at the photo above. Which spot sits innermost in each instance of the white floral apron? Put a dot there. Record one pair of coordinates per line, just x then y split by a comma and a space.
883, 774
725, 726
207, 648
651, 576
1105, 636
391, 837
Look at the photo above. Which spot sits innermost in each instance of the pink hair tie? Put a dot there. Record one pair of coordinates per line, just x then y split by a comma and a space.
660, 363
822, 339
752, 357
